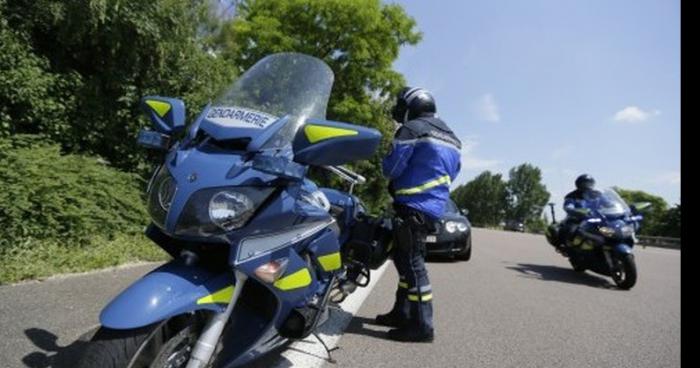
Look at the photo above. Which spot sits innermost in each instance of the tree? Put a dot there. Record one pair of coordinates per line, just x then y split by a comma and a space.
358, 39
653, 216
527, 196
484, 197
32, 99
104, 56
671, 222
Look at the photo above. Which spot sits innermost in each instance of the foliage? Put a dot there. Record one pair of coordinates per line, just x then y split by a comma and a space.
358, 39
527, 196
653, 215
42, 258
484, 197
68, 199
77, 69
670, 224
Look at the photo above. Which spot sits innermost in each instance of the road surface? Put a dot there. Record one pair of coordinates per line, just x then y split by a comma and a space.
515, 304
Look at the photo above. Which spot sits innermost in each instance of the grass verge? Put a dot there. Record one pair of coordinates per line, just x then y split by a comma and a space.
40, 258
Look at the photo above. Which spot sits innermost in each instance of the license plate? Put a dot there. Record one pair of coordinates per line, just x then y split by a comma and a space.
431, 239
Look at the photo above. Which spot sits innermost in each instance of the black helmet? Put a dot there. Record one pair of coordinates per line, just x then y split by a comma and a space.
411, 103
585, 182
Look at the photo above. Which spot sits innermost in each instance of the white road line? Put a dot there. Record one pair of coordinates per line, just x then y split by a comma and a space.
309, 353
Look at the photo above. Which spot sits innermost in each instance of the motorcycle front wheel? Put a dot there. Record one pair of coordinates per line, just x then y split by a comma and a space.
161, 345
624, 273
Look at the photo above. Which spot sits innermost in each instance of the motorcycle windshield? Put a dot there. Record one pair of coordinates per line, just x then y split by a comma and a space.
610, 204
279, 85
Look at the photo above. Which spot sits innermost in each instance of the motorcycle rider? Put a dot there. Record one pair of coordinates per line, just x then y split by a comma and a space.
423, 162
585, 191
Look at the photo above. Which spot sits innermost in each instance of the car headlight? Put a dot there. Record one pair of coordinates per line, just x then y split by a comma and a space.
229, 209
451, 226
214, 211
607, 231
461, 226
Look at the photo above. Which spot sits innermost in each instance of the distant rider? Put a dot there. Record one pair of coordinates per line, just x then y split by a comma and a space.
579, 198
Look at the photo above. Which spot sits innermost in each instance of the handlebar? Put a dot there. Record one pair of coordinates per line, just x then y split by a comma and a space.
346, 174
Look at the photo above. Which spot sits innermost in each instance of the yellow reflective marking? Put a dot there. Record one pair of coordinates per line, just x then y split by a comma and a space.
330, 262
299, 279
431, 184
403, 285
414, 297
222, 296
316, 133
161, 108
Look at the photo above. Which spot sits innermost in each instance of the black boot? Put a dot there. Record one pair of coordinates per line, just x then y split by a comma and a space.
390, 319
410, 334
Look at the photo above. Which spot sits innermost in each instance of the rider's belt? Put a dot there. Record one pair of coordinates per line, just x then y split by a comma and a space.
425, 186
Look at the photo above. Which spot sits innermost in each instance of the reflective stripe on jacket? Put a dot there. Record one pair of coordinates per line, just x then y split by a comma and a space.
424, 160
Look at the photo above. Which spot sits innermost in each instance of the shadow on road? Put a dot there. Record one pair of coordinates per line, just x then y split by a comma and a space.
357, 327
51, 354
560, 274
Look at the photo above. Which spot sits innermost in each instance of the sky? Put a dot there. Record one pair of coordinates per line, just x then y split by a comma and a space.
569, 86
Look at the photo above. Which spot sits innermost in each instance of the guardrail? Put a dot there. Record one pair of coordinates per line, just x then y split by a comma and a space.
659, 241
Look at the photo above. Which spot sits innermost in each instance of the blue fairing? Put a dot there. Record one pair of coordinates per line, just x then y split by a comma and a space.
623, 248
169, 290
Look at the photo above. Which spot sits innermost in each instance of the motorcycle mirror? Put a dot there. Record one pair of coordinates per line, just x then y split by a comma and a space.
464, 211
166, 114
640, 206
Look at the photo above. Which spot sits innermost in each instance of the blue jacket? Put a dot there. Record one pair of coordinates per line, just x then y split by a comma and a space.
423, 162
579, 199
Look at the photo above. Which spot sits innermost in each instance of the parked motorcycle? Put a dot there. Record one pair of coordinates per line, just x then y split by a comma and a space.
259, 250
603, 240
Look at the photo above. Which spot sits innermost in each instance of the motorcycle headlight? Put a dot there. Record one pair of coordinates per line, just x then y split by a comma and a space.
461, 226
229, 209
451, 226
214, 211
607, 231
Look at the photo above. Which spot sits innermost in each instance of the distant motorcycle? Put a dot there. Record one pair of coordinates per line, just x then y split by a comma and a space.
259, 251
604, 239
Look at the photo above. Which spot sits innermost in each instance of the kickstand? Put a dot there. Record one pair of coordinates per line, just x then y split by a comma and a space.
328, 351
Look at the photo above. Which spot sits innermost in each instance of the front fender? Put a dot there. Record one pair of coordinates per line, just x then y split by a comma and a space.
622, 248
167, 291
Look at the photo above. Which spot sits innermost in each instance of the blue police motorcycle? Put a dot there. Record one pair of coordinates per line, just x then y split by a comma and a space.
259, 250
603, 239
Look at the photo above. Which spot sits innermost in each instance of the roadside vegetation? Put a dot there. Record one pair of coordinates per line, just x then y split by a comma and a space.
72, 74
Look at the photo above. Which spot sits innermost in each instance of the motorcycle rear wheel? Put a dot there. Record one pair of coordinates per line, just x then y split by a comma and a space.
625, 273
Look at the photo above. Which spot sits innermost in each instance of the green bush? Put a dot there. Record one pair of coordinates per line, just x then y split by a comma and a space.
68, 199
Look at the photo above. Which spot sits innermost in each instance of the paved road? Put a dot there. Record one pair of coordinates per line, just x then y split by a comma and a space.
515, 304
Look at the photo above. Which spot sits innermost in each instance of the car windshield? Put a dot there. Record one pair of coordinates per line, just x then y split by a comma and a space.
279, 85
609, 203
451, 207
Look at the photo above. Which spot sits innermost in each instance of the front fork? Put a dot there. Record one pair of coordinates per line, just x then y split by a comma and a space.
206, 344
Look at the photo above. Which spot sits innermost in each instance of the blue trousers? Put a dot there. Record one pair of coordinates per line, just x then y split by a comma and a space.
414, 294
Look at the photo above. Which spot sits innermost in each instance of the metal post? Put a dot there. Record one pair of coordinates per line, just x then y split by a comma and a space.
551, 206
